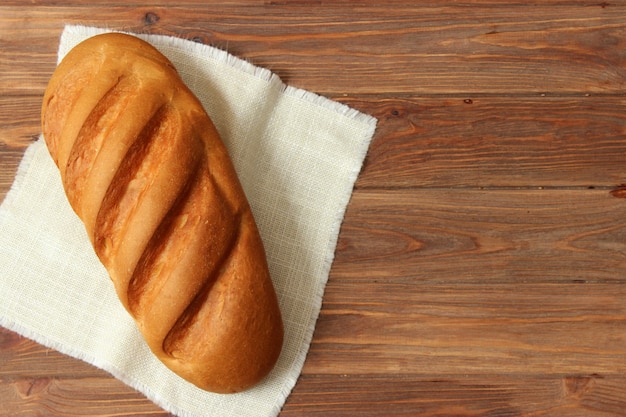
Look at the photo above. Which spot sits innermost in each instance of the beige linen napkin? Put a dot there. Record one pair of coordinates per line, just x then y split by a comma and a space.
297, 155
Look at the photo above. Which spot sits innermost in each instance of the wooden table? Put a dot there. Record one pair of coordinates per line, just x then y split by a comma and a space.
480, 269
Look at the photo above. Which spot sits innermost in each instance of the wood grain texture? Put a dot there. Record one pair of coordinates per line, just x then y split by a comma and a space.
483, 236
479, 270
60, 397
19, 120
459, 395
399, 49
495, 141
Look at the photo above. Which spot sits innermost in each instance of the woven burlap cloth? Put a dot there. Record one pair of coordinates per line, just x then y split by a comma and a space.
297, 155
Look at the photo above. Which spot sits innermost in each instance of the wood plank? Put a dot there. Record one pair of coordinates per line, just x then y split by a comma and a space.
314, 6
417, 328
463, 395
490, 236
19, 121
416, 49
494, 141
23, 358
45, 396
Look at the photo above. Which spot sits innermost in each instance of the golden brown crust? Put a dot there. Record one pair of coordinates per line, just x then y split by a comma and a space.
144, 168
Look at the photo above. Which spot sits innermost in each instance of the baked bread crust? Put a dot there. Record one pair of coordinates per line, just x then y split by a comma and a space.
144, 168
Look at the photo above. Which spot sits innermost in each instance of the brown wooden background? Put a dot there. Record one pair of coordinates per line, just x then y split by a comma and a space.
480, 267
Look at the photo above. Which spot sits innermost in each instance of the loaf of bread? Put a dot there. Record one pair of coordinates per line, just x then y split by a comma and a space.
144, 168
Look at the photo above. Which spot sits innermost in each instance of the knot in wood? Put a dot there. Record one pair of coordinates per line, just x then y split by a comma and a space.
151, 18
